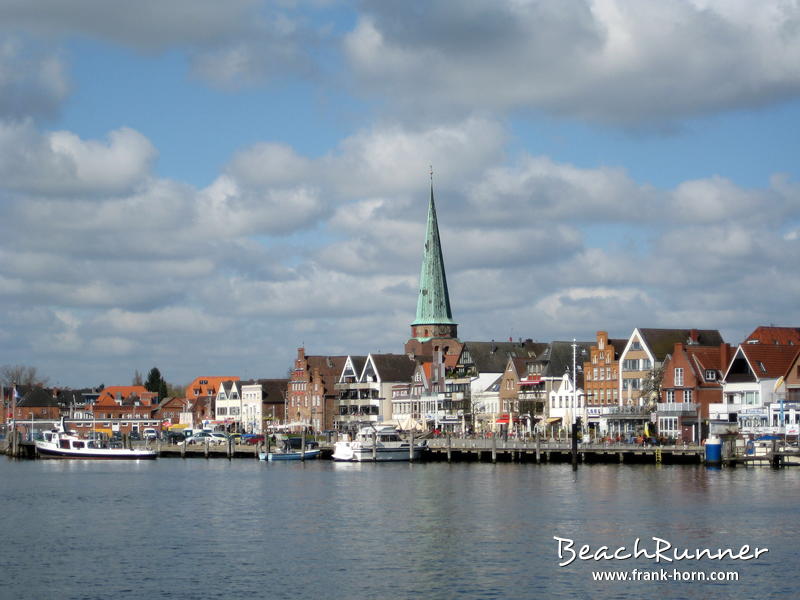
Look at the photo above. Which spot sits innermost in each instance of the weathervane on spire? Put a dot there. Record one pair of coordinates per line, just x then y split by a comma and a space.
431, 166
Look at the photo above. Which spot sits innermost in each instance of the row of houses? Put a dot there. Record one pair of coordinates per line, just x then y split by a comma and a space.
215, 402
672, 383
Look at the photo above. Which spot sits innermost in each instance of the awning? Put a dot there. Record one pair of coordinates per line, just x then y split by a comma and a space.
503, 420
553, 420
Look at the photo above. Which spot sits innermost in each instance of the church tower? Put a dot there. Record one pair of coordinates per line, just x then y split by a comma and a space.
433, 326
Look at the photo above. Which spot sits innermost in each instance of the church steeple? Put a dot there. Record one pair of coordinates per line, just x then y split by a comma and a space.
434, 317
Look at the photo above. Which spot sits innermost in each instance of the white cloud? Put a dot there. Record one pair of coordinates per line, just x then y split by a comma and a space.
61, 163
284, 248
611, 61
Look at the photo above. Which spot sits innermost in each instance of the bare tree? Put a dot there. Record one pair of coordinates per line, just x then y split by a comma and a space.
137, 378
21, 375
651, 386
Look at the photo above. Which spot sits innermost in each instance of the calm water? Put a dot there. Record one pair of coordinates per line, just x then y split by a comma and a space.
217, 529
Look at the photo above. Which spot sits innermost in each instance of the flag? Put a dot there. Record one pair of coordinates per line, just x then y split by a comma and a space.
14, 396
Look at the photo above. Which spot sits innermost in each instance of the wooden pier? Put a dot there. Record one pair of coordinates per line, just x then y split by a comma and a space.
538, 451
452, 449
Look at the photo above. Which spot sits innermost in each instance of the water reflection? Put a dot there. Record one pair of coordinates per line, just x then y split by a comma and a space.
334, 530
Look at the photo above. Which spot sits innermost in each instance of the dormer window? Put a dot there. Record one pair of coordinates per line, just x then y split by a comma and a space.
710, 375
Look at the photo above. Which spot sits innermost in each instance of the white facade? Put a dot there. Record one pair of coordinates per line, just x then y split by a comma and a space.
228, 405
252, 416
748, 403
564, 402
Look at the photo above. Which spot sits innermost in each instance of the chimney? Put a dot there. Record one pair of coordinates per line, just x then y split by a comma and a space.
694, 336
724, 356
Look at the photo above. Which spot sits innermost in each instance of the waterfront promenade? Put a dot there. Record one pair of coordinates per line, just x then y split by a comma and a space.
496, 449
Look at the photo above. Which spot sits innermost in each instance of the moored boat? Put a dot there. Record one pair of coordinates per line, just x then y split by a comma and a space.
376, 444
292, 455
293, 449
58, 443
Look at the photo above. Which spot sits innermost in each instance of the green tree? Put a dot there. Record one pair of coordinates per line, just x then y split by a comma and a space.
156, 383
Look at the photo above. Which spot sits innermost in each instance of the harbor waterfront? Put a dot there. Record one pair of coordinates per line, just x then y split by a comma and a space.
320, 529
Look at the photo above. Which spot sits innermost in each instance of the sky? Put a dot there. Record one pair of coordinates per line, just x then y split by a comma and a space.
206, 186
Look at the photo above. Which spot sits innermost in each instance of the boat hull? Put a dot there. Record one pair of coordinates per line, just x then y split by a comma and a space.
96, 453
273, 456
347, 453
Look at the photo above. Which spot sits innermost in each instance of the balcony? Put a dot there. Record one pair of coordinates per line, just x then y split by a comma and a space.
623, 412
677, 408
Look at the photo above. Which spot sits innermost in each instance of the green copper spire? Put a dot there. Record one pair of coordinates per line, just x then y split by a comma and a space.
433, 304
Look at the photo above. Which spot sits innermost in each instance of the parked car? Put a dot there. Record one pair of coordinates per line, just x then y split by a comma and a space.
252, 439
203, 437
134, 435
150, 434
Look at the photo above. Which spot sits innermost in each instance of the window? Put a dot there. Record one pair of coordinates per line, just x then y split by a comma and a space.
645, 364
678, 376
687, 395
710, 375
670, 396
636, 346
668, 426
221, 410
594, 373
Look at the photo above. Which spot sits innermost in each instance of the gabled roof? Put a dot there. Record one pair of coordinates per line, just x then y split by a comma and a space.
327, 365
122, 391
393, 367
781, 336
492, 357
38, 398
557, 357
619, 346
660, 342
767, 361
520, 366
356, 363
212, 382
228, 387
273, 390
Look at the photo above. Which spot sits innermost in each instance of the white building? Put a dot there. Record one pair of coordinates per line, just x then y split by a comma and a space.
750, 388
228, 406
566, 401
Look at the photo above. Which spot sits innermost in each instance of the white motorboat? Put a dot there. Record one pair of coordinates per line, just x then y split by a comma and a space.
58, 443
374, 444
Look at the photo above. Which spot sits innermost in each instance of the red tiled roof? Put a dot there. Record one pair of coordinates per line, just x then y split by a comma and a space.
770, 361
781, 336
